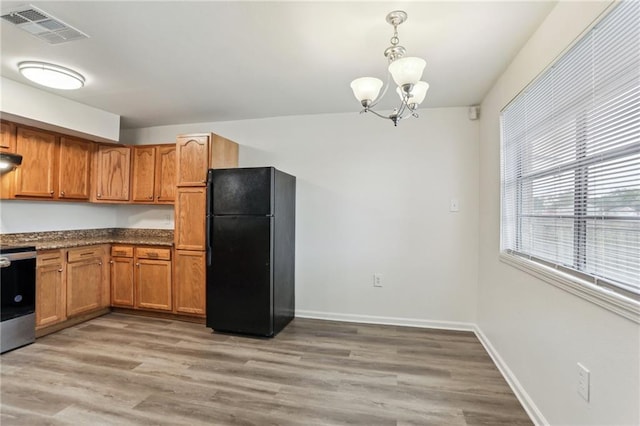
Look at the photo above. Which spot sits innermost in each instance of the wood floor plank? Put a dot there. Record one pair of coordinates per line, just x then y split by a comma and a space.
121, 369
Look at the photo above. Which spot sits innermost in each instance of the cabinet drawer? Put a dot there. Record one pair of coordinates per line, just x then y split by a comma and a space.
153, 253
122, 251
49, 257
79, 254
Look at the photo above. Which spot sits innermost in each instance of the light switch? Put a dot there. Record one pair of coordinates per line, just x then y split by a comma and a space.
454, 206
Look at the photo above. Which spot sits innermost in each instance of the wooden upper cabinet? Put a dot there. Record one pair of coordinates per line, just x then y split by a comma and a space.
7, 137
224, 153
144, 164
35, 177
195, 154
192, 160
112, 173
154, 174
7, 144
166, 174
74, 169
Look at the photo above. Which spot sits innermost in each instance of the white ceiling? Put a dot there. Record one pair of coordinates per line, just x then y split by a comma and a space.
158, 63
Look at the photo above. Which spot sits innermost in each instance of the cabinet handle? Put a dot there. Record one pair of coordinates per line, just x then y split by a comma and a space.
98, 195
50, 192
151, 197
62, 193
60, 270
100, 263
111, 262
138, 265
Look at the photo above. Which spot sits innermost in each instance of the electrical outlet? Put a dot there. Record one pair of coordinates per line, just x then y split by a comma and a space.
583, 381
377, 280
454, 205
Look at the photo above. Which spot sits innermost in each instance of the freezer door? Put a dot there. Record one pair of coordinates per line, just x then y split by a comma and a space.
247, 191
239, 280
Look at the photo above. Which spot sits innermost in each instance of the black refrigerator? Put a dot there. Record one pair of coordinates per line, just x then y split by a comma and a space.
250, 250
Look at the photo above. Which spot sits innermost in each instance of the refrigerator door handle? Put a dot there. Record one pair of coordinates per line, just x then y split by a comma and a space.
209, 217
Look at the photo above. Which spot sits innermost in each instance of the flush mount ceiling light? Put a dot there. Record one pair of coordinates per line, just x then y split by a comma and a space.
406, 73
51, 75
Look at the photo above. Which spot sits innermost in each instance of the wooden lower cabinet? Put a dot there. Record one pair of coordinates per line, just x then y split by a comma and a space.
153, 278
86, 276
50, 288
122, 289
190, 282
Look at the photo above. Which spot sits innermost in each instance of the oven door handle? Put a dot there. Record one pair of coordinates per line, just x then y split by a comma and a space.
4, 262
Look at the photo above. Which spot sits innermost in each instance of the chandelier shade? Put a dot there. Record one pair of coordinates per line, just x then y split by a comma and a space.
418, 92
406, 72
366, 88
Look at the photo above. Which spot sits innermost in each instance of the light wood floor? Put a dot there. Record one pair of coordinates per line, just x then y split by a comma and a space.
120, 369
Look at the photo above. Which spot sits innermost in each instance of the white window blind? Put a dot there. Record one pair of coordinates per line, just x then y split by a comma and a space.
571, 159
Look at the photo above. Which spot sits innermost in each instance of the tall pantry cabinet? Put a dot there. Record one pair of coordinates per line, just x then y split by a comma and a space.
195, 154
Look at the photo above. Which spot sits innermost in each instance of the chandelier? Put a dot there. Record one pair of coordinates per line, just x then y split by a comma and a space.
406, 73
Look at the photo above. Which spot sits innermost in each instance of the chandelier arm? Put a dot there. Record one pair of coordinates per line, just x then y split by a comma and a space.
403, 107
378, 114
384, 91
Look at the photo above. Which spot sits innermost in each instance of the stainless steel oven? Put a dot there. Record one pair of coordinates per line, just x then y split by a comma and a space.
17, 297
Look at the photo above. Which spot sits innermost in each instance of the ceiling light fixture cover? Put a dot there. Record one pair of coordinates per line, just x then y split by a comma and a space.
51, 75
406, 73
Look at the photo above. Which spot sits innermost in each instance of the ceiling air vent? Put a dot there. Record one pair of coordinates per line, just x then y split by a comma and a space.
42, 25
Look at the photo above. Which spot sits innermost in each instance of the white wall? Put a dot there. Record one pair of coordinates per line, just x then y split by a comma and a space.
540, 331
38, 216
27, 105
144, 217
372, 198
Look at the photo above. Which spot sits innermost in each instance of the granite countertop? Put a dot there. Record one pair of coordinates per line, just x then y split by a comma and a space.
87, 237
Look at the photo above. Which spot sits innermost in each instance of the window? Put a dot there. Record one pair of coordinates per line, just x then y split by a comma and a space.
571, 159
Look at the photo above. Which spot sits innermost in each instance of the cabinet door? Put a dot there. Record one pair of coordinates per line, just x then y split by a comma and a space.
7, 137
153, 284
122, 282
50, 290
192, 160
7, 144
144, 163
113, 164
35, 177
74, 163
190, 282
84, 286
166, 174
190, 215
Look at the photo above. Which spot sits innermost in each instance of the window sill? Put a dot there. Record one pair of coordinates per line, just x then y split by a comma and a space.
600, 296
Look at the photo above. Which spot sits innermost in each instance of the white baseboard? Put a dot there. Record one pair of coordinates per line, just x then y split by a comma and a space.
527, 403
370, 319
522, 395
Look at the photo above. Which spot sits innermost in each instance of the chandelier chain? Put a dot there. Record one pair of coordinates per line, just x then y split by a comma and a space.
395, 40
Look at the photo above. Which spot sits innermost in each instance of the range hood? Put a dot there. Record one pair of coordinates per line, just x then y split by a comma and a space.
9, 161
